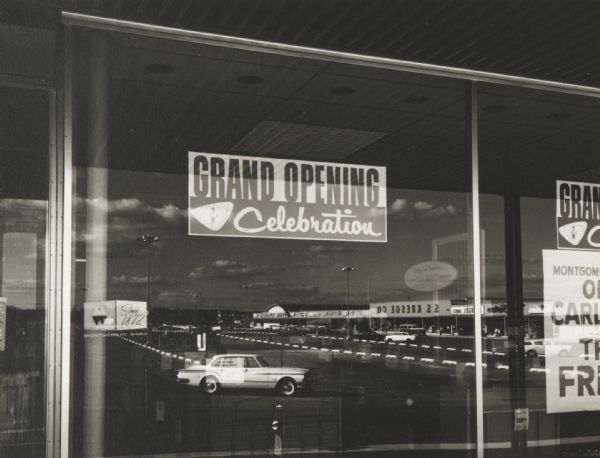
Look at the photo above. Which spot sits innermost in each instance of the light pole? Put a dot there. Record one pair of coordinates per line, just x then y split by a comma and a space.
348, 269
148, 239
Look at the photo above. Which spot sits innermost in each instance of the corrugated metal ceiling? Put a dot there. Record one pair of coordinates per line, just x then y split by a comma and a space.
557, 41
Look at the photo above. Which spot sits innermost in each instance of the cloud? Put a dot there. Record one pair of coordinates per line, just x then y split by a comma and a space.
228, 269
396, 207
420, 205
282, 288
430, 209
329, 249
135, 209
132, 280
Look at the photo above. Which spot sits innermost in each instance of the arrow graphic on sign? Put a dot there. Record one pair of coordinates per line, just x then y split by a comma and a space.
573, 232
213, 216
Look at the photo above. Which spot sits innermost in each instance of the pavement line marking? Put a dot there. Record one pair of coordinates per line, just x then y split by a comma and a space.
391, 356
437, 347
304, 346
376, 355
500, 353
447, 361
413, 345
487, 352
313, 348
188, 360
427, 360
502, 366
335, 350
363, 340
372, 341
324, 349
466, 350
425, 346
348, 352
181, 358
286, 344
538, 369
360, 353
401, 344
279, 343
451, 349
410, 358
296, 346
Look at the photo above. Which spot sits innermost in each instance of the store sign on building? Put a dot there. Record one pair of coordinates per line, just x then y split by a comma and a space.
115, 315
240, 196
572, 330
577, 215
414, 309
430, 276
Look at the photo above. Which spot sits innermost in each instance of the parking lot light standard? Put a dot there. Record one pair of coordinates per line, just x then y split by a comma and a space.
347, 269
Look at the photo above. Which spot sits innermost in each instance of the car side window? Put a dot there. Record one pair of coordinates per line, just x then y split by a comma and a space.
250, 362
216, 362
231, 362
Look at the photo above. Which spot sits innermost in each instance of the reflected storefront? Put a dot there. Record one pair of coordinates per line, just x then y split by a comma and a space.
246, 248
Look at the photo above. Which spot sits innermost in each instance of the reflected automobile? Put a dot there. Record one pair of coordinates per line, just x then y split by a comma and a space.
399, 336
244, 371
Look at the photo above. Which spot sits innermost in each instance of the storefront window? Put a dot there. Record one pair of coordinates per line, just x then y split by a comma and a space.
24, 145
270, 253
539, 180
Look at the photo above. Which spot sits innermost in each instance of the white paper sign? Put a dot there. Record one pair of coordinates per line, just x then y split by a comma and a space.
115, 315
572, 330
242, 196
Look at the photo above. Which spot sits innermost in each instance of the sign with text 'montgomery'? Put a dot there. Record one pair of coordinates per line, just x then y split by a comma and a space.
240, 196
572, 330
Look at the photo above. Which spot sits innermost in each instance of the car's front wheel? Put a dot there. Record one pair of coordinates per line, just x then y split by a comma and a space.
531, 353
210, 385
286, 387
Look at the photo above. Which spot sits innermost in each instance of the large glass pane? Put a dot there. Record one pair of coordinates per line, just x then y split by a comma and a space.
355, 337
538, 178
23, 206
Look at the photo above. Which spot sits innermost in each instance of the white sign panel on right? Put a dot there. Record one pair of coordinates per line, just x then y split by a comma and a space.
572, 330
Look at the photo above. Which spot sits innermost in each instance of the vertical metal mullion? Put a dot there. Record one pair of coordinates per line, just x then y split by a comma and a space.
50, 278
472, 109
66, 200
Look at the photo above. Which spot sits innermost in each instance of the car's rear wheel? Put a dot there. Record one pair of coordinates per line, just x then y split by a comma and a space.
286, 387
210, 385
389, 341
531, 353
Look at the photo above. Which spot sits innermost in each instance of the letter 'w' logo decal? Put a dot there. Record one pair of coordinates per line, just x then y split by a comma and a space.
213, 216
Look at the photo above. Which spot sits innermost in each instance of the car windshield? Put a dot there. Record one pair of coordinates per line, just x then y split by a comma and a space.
262, 361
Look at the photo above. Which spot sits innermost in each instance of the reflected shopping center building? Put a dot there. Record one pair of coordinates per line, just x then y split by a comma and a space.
222, 238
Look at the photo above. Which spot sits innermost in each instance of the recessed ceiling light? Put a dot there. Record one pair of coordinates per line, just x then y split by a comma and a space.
250, 80
558, 116
494, 108
416, 99
160, 69
342, 90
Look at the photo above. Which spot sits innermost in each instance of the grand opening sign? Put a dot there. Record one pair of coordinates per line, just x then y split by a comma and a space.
239, 196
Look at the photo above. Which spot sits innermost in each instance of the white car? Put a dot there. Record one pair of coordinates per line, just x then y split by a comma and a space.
244, 371
399, 336
546, 347
534, 348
